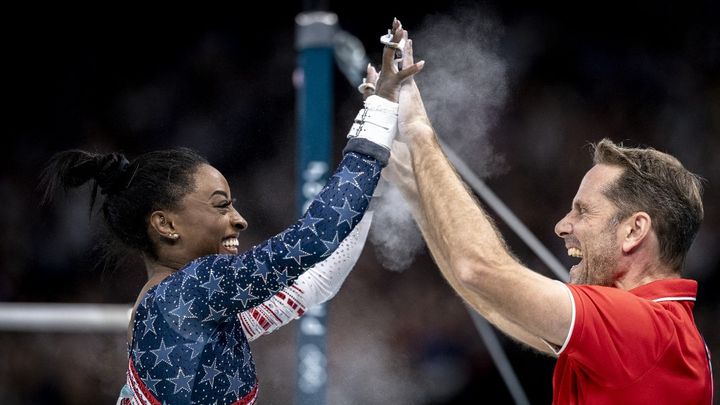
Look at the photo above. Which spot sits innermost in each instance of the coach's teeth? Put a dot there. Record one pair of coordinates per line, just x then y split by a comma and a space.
231, 242
575, 252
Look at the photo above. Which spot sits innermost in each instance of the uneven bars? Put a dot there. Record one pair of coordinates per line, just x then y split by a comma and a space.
62, 317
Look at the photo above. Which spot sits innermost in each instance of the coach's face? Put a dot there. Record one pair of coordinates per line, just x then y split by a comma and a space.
589, 230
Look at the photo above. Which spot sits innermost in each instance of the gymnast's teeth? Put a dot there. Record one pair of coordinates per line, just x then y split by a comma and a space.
575, 252
231, 243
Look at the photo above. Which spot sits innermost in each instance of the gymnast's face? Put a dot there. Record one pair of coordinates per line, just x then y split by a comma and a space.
590, 231
206, 220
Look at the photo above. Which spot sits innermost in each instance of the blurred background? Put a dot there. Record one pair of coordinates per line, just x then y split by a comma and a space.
517, 88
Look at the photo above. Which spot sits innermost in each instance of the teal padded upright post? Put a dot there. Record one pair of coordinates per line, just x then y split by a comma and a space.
314, 80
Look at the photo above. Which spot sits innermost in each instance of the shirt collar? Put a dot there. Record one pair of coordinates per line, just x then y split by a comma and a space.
670, 289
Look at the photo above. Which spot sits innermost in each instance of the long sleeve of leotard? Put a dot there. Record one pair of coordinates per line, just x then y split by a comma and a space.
212, 288
317, 285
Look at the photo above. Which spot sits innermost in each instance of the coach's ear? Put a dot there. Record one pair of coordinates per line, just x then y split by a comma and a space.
635, 231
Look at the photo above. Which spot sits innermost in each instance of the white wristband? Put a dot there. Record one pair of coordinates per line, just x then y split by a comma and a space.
377, 122
382, 104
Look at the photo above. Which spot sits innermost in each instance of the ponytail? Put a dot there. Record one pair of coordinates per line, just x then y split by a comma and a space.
73, 168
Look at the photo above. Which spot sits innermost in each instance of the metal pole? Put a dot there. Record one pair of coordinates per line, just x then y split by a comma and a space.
498, 355
75, 318
506, 214
315, 32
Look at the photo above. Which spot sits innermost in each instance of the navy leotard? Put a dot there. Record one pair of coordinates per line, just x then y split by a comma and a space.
188, 344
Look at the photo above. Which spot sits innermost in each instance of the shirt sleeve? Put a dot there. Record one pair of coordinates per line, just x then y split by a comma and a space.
616, 336
212, 288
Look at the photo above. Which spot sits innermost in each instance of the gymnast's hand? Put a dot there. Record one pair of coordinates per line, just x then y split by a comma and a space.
390, 78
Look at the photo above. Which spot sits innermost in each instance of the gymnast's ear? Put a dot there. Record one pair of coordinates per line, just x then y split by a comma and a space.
161, 225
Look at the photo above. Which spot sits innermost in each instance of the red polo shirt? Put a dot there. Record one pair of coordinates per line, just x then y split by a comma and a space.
633, 347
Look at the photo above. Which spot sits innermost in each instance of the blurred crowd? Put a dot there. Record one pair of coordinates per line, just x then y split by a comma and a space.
644, 73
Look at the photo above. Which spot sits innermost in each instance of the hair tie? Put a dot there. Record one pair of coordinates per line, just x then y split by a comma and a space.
113, 167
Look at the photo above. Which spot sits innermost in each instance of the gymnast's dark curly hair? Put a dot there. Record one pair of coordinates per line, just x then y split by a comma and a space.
131, 191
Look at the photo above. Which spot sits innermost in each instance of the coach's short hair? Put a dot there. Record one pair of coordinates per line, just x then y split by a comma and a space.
658, 184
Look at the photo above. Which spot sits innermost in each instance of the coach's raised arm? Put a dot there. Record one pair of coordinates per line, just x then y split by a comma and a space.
623, 328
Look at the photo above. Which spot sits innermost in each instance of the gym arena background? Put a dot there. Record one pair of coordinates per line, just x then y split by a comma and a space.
220, 80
